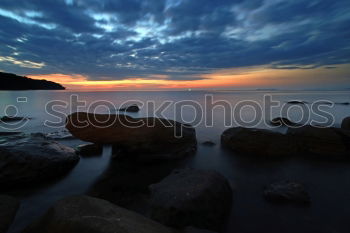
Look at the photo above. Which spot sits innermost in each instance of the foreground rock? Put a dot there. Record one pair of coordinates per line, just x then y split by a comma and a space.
90, 215
132, 108
145, 139
89, 150
258, 142
282, 121
285, 192
330, 143
191, 198
8, 210
28, 160
208, 143
346, 123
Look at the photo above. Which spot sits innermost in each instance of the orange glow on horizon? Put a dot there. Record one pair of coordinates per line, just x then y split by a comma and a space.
227, 78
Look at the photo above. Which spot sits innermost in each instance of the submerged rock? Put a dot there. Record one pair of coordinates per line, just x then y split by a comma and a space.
282, 121
33, 159
258, 142
60, 135
12, 119
88, 150
286, 191
145, 139
208, 143
90, 215
8, 210
191, 198
296, 102
132, 108
345, 124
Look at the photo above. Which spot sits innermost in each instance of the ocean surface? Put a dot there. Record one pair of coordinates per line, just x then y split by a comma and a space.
328, 183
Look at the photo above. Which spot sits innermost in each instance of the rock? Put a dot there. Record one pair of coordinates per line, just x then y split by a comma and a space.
191, 198
33, 159
286, 191
296, 102
12, 119
258, 142
208, 143
346, 123
60, 135
8, 210
196, 230
90, 215
282, 121
9, 133
145, 139
330, 143
88, 150
132, 108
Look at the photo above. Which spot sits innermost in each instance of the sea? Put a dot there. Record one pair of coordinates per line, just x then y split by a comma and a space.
210, 112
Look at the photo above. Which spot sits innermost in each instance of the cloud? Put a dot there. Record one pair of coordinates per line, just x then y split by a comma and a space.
176, 39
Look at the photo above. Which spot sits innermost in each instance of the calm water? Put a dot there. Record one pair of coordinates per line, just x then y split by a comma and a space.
327, 183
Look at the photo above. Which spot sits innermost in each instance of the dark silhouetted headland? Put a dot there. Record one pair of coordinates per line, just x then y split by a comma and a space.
15, 82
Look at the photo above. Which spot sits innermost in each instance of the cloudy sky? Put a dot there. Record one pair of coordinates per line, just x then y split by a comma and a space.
154, 44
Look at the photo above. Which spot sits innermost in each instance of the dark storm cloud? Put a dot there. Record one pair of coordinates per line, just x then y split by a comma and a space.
105, 39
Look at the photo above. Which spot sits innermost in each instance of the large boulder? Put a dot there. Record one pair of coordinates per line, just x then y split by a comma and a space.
8, 210
90, 215
258, 142
89, 150
282, 121
146, 139
320, 142
28, 160
346, 123
286, 192
191, 198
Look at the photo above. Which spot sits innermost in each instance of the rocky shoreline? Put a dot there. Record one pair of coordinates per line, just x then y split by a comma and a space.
145, 188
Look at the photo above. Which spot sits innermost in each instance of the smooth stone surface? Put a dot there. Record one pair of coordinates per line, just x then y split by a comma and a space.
282, 121
345, 124
191, 198
90, 215
145, 139
60, 135
329, 143
33, 159
258, 142
131, 108
285, 192
88, 150
8, 210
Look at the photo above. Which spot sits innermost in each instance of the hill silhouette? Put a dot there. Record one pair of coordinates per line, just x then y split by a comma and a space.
14, 82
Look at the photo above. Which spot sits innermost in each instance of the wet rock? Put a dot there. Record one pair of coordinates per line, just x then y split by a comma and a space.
196, 230
132, 108
282, 121
8, 210
9, 133
144, 139
329, 143
90, 215
296, 102
191, 198
33, 159
88, 150
285, 192
258, 142
208, 143
346, 123
60, 135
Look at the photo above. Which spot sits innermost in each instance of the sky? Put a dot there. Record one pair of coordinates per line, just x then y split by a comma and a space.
178, 44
